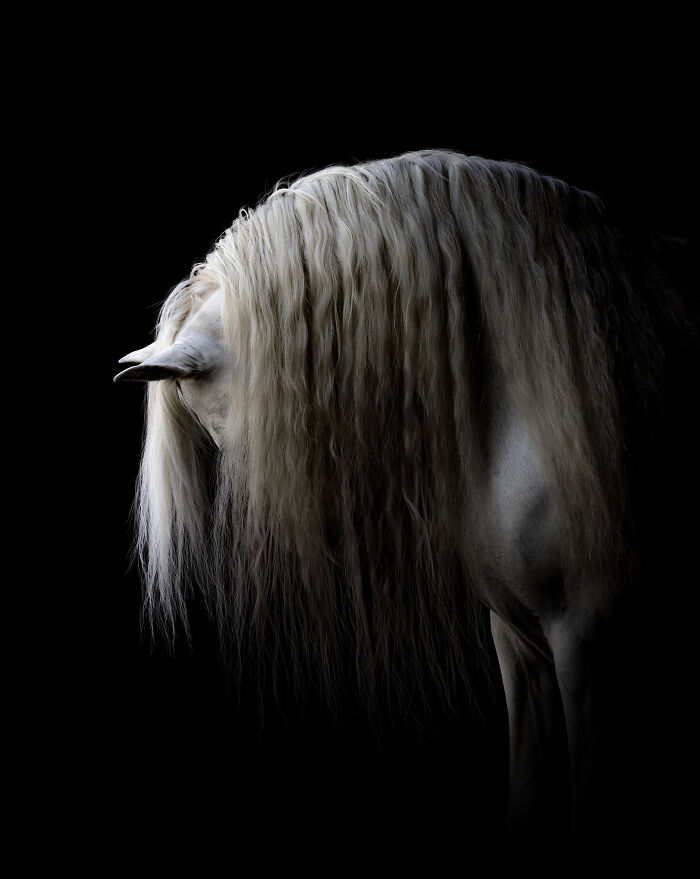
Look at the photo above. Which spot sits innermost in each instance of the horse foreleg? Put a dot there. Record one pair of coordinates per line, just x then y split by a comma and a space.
538, 807
593, 693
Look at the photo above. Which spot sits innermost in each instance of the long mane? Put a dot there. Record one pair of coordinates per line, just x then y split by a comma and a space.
366, 307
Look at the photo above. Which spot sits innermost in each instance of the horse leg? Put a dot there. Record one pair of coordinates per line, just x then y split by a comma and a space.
590, 676
556, 657
538, 813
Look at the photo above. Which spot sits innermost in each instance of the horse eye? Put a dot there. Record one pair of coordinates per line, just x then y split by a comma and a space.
180, 394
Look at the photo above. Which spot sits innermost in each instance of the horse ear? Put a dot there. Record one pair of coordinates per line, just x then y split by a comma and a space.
175, 362
197, 350
140, 355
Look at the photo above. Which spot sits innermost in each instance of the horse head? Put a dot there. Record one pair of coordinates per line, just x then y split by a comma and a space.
198, 361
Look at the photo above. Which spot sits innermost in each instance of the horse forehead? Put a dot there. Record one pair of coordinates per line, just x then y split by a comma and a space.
204, 318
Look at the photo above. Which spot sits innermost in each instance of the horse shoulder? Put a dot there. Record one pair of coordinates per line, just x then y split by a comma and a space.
518, 527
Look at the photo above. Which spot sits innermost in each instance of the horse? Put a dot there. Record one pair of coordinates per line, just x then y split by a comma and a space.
400, 392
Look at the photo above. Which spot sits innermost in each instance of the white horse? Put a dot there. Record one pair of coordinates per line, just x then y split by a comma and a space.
394, 393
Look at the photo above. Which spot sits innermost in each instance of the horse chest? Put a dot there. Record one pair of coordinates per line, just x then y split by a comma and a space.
519, 529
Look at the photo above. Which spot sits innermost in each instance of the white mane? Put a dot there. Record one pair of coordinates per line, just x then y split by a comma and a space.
365, 308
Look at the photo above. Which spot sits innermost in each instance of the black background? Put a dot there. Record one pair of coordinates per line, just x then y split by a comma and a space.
147, 754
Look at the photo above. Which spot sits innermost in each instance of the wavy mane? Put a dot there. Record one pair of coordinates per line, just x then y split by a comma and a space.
367, 307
